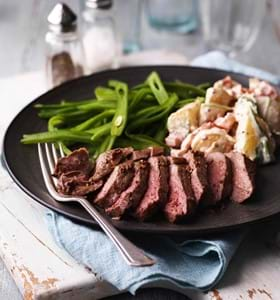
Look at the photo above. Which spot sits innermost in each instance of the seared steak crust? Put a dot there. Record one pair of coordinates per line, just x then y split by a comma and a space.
78, 160
73, 173
77, 184
157, 191
118, 181
107, 161
181, 202
141, 154
156, 151
244, 171
129, 199
198, 167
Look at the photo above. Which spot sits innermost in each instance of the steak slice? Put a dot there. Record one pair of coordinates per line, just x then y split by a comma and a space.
129, 199
77, 183
198, 167
141, 154
156, 150
107, 161
244, 171
219, 176
177, 160
157, 191
148, 152
118, 181
73, 173
181, 202
78, 160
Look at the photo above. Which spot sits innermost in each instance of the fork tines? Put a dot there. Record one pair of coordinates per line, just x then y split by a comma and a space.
48, 159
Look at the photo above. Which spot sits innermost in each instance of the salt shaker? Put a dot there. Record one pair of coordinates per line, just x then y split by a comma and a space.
99, 36
65, 55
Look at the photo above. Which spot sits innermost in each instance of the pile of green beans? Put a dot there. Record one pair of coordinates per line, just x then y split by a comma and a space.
117, 116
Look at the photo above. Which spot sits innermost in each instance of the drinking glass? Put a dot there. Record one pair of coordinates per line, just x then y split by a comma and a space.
172, 15
128, 19
231, 25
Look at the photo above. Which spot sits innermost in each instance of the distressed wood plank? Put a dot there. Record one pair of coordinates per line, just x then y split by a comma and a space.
40, 268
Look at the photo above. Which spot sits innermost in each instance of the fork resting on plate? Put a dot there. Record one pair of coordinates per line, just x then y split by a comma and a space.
133, 255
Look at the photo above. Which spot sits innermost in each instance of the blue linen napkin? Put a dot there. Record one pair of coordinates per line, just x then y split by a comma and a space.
181, 265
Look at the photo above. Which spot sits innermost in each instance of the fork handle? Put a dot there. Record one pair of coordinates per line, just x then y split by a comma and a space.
133, 255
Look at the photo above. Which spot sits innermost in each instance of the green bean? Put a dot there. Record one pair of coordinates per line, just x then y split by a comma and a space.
139, 96
48, 113
140, 86
54, 122
139, 123
56, 136
145, 140
65, 149
184, 90
103, 93
62, 104
157, 87
114, 83
94, 120
204, 86
108, 143
74, 118
120, 117
147, 111
182, 103
100, 131
161, 131
98, 105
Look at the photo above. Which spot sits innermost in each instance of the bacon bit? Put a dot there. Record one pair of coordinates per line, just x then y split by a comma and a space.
228, 82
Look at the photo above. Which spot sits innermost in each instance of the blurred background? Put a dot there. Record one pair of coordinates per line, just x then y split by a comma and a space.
112, 32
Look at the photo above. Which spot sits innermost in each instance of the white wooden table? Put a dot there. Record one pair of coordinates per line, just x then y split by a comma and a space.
42, 270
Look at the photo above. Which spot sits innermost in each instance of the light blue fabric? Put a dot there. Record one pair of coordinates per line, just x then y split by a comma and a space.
218, 60
195, 264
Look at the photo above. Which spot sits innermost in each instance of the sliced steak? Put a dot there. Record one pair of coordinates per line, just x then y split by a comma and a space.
219, 176
177, 160
78, 160
157, 191
156, 151
77, 183
118, 181
129, 199
148, 152
198, 167
244, 171
181, 202
107, 161
141, 154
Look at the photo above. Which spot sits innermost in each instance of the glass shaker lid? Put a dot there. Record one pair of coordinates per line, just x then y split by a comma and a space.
102, 4
62, 19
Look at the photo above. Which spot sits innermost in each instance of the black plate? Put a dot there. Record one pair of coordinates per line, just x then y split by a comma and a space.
23, 165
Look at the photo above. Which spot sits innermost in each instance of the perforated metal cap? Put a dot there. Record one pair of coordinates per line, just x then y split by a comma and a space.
62, 19
100, 4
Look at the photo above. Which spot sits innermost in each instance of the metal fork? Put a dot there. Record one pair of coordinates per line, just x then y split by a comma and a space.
133, 255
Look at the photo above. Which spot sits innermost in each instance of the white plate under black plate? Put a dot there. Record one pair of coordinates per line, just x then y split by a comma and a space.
23, 165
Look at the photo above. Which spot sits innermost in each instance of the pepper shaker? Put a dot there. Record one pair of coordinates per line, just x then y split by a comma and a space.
65, 55
99, 36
